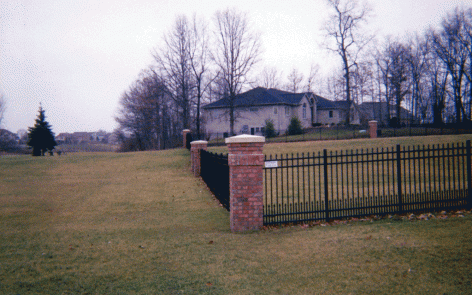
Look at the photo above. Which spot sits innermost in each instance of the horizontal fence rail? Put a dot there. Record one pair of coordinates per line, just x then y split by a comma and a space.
215, 173
322, 186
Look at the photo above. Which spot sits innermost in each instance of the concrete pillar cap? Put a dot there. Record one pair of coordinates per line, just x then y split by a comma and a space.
199, 142
245, 138
186, 130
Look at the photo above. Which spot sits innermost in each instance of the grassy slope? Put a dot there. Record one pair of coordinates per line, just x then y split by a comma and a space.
140, 223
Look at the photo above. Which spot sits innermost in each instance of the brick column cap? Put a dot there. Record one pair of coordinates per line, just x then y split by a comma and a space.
244, 138
186, 130
373, 121
199, 142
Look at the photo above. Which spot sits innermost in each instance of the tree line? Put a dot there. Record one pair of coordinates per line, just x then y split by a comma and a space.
194, 64
428, 74
197, 61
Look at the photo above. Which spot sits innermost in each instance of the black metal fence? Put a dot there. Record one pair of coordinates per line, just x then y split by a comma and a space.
328, 185
215, 172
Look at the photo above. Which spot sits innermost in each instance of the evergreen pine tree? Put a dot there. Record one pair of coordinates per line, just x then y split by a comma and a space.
40, 137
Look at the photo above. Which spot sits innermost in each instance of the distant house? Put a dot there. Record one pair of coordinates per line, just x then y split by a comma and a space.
379, 111
64, 138
79, 137
335, 112
82, 137
8, 140
254, 107
6, 135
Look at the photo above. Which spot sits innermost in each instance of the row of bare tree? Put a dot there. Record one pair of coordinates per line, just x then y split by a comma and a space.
428, 74
187, 71
197, 62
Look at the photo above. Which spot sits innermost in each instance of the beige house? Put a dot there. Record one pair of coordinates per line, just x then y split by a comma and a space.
254, 107
335, 112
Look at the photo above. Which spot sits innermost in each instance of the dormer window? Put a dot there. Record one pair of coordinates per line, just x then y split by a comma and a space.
304, 111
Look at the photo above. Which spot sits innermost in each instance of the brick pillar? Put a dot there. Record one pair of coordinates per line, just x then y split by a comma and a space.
245, 160
373, 129
184, 135
195, 148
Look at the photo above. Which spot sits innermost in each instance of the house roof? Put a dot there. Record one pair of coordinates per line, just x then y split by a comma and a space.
326, 104
263, 97
260, 96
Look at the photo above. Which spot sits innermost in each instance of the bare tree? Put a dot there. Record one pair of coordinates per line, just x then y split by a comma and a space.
3, 106
313, 81
384, 68
334, 85
295, 79
398, 54
237, 50
449, 47
437, 77
269, 78
345, 29
174, 63
393, 65
147, 113
467, 41
361, 76
418, 57
199, 62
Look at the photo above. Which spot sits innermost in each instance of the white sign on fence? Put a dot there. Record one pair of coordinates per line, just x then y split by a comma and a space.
270, 164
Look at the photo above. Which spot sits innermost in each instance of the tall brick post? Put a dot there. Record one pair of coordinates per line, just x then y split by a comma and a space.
195, 147
373, 129
184, 136
245, 160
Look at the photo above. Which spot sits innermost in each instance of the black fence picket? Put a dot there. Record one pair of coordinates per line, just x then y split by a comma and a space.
334, 185
215, 172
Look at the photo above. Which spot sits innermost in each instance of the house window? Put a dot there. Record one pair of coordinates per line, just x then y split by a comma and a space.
287, 111
304, 111
275, 110
331, 115
257, 129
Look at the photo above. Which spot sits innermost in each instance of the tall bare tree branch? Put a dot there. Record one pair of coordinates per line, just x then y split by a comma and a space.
3, 106
237, 50
344, 28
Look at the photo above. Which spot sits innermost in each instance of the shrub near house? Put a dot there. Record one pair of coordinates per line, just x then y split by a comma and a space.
295, 127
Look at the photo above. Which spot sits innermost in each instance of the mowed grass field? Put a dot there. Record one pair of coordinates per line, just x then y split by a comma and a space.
140, 223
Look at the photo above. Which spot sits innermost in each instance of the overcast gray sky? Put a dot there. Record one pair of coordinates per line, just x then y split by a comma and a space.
76, 57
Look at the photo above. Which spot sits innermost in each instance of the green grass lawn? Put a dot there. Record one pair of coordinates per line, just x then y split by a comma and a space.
140, 223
